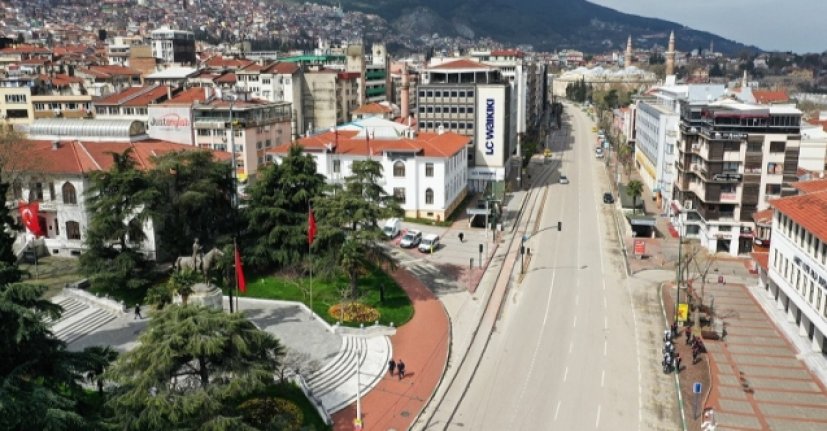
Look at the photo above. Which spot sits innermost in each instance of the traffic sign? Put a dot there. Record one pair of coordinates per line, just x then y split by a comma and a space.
640, 247
696, 388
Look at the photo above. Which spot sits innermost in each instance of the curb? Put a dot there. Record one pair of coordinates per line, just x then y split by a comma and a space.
677, 375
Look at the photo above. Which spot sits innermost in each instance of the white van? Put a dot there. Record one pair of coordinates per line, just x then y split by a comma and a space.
429, 243
392, 228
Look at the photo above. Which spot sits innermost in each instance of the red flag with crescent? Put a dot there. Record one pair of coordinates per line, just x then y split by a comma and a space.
311, 227
28, 213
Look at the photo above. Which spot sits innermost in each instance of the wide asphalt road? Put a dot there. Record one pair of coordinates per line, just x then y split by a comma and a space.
564, 355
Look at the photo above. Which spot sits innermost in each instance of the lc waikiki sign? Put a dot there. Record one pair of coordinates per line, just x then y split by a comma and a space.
491, 126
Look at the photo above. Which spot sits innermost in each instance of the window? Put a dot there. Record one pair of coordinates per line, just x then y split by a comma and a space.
16, 98
51, 191
777, 147
429, 197
72, 230
35, 192
399, 170
453, 94
203, 132
337, 166
399, 194
17, 190
437, 93
39, 106
69, 194
429, 169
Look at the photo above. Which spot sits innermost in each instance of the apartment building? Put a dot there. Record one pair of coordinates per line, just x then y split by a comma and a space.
733, 158
275, 82
173, 46
132, 103
329, 98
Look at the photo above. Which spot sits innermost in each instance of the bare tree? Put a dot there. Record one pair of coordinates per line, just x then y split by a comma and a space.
10, 153
295, 362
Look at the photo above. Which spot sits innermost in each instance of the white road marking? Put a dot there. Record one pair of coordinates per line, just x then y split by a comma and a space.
577, 300
557, 410
597, 421
605, 347
574, 323
604, 302
571, 346
566, 374
605, 322
603, 378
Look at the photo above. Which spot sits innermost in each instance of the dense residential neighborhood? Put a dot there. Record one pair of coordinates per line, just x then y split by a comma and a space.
289, 216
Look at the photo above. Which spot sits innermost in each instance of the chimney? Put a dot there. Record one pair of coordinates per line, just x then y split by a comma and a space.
404, 99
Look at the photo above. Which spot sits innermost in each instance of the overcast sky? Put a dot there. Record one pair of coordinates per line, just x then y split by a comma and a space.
783, 25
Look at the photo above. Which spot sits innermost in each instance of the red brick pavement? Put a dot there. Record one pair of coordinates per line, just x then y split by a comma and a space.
422, 344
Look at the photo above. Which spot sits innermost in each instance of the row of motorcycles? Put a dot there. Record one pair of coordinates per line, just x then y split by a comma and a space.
671, 359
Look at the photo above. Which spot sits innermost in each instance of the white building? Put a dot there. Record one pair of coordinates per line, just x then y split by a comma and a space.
173, 46
426, 172
795, 276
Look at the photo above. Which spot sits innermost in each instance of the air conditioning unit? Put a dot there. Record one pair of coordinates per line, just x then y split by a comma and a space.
687, 204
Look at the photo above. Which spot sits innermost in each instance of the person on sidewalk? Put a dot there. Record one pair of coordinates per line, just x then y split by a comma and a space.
723, 334
400, 366
138, 312
688, 331
677, 363
391, 366
461, 237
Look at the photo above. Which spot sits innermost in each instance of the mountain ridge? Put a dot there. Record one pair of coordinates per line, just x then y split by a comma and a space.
547, 25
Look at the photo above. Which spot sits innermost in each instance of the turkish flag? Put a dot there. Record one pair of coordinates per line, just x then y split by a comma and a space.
239, 272
28, 213
311, 227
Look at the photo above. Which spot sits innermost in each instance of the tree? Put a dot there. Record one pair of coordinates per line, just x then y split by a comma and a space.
193, 199
119, 200
349, 220
634, 189
39, 378
190, 370
276, 217
9, 272
181, 282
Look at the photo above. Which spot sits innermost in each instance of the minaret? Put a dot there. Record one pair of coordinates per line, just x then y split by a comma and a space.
744, 80
627, 59
670, 55
404, 97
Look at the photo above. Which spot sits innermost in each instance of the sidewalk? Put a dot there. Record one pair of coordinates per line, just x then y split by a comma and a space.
422, 344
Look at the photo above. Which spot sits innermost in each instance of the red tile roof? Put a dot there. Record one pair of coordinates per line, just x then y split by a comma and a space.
463, 63
769, 96
61, 80
188, 96
136, 96
109, 71
809, 211
763, 217
372, 108
811, 186
218, 62
427, 144
227, 78
762, 259
282, 68
77, 158
507, 53
27, 49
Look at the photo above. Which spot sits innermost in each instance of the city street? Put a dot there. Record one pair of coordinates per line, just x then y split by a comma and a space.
565, 353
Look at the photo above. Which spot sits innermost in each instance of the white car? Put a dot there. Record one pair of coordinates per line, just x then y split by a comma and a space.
429, 244
598, 153
564, 179
411, 239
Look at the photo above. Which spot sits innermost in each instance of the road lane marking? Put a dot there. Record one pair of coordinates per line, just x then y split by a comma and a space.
577, 300
605, 347
571, 346
597, 421
557, 410
604, 303
566, 374
574, 323
605, 322
603, 379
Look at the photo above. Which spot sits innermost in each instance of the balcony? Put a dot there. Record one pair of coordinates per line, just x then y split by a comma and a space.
712, 135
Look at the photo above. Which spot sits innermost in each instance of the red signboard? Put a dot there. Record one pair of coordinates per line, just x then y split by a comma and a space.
640, 247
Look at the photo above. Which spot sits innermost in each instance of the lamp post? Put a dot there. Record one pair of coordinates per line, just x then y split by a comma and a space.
678, 271
234, 200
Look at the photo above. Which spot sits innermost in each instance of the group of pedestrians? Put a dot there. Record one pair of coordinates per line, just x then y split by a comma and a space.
399, 366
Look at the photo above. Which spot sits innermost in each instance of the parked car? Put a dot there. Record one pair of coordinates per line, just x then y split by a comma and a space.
429, 243
564, 179
598, 153
411, 239
392, 228
608, 198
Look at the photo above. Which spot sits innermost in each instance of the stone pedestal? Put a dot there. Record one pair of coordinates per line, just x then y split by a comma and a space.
204, 294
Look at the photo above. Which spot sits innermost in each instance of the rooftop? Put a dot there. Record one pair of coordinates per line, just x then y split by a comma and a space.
135, 96
809, 211
357, 143
812, 186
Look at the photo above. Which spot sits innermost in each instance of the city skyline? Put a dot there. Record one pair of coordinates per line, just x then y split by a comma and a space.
744, 21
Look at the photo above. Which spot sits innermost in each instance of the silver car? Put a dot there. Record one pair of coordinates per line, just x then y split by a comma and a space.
564, 179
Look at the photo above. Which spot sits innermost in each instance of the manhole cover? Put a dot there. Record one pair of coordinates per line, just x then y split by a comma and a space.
404, 413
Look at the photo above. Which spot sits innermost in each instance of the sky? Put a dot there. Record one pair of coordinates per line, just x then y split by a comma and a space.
772, 25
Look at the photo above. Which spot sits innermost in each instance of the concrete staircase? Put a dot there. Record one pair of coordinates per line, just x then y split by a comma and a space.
335, 383
79, 318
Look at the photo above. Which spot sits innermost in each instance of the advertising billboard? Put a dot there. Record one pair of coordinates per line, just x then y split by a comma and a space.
492, 126
171, 123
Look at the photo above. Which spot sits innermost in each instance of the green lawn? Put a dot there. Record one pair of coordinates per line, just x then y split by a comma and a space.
396, 308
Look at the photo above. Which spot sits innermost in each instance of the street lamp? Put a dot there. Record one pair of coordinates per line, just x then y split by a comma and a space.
525, 239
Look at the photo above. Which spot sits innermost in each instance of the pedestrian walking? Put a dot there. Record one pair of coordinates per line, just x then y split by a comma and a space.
674, 329
723, 334
400, 366
688, 331
461, 237
391, 366
138, 312
677, 363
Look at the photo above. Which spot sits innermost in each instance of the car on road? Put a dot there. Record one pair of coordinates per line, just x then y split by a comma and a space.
429, 244
564, 179
608, 198
411, 239
598, 153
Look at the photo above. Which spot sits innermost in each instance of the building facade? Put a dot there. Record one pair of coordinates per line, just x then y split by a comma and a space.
733, 158
173, 46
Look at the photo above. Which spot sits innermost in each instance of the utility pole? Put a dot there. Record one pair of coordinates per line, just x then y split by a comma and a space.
678, 271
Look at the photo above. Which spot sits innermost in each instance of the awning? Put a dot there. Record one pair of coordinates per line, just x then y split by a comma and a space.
641, 220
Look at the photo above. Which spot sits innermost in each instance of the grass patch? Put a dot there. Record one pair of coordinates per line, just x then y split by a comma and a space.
396, 308
312, 420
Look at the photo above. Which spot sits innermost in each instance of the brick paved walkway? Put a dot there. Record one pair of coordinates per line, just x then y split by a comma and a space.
422, 344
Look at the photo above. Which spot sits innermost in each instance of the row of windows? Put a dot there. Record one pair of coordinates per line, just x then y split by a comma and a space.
804, 239
398, 169
115, 110
71, 106
36, 192
446, 109
16, 98
803, 284
446, 93
399, 195
452, 125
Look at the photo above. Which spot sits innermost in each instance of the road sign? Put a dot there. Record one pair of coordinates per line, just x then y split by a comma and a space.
640, 247
683, 312
696, 387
